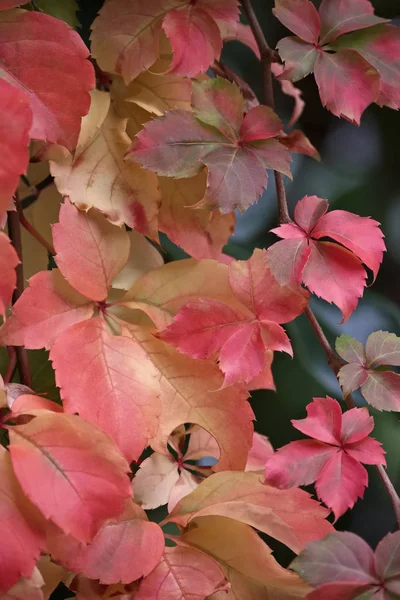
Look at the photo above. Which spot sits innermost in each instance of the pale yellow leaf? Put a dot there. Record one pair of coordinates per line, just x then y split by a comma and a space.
144, 257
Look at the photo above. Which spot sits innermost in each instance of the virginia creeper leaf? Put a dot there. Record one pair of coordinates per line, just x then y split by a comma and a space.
8, 261
124, 549
236, 151
125, 38
155, 480
341, 16
98, 177
290, 516
82, 473
333, 461
158, 93
26, 589
183, 574
47, 307
381, 389
247, 561
200, 232
47, 60
90, 251
143, 257
323, 265
301, 17
20, 525
15, 124
115, 384
4, 4
242, 336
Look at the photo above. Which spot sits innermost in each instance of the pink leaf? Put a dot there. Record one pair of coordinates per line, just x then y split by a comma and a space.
4, 4
300, 16
260, 451
220, 104
114, 383
82, 473
28, 402
307, 213
341, 16
333, 72
297, 142
382, 348
350, 349
182, 573
90, 250
329, 265
351, 377
8, 278
288, 258
186, 483
387, 557
153, 483
192, 27
299, 58
357, 423
46, 59
239, 32
45, 309
341, 591
382, 390
260, 123
361, 235
20, 525
15, 124
124, 549
323, 421
290, 90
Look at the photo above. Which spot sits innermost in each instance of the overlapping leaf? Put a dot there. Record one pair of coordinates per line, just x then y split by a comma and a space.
8, 261
235, 150
124, 550
290, 516
97, 176
242, 336
323, 266
15, 124
380, 388
343, 566
351, 71
47, 60
125, 35
332, 458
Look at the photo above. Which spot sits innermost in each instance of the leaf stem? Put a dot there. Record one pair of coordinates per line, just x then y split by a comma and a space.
284, 217
14, 231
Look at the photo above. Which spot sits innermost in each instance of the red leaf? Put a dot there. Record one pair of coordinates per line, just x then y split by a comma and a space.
82, 474
341, 16
20, 525
382, 348
333, 72
15, 124
297, 142
45, 309
387, 557
182, 573
301, 17
342, 591
236, 151
4, 4
299, 58
290, 90
323, 265
46, 59
244, 334
382, 390
114, 383
124, 549
8, 278
334, 461
90, 250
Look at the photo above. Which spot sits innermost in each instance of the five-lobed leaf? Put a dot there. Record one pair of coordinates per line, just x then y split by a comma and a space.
322, 265
235, 150
380, 388
332, 458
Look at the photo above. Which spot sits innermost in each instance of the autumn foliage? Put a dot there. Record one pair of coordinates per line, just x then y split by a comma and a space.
154, 361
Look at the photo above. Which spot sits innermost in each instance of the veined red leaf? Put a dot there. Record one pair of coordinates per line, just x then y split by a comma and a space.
341, 16
241, 335
124, 549
83, 475
90, 251
299, 58
321, 265
47, 60
15, 124
333, 73
115, 384
8, 278
247, 561
382, 348
236, 151
183, 573
20, 524
47, 307
301, 17
333, 459
290, 516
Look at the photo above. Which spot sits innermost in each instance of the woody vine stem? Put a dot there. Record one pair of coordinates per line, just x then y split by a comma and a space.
267, 57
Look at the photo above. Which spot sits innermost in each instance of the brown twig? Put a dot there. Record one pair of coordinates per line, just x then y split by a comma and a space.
284, 217
25, 223
12, 361
14, 231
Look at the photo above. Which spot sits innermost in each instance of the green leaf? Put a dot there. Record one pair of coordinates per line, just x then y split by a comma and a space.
61, 9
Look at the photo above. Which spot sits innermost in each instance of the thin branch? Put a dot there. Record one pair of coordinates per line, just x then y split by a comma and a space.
14, 231
284, 217
12, 361
25, 223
